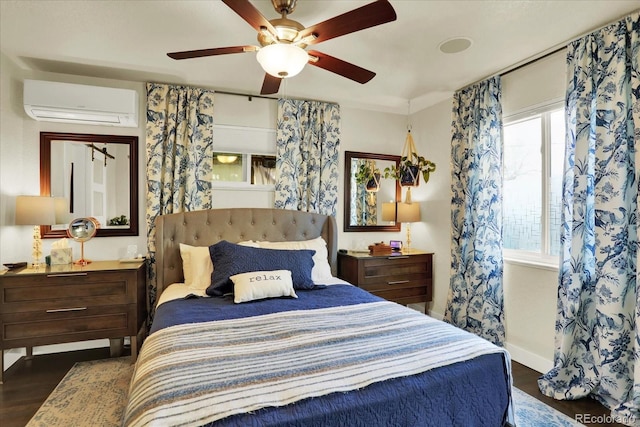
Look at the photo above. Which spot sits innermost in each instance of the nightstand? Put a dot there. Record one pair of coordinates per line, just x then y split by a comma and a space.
401, 277
67, 303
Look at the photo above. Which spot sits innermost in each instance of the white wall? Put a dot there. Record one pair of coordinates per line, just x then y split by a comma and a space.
20, 151
530, 291
20, 175
370, 132
530, 297
432, 135
20, 167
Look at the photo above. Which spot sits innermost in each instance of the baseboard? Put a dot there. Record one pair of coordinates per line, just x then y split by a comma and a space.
13, 355
529, 359
436, 315
520, 355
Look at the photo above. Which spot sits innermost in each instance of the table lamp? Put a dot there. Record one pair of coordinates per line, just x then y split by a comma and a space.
408, 212
389, 211
35, 211
61, 205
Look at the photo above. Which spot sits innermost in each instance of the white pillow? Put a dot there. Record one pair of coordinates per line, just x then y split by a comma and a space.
249, 243
196, 266
262, 284
321, 269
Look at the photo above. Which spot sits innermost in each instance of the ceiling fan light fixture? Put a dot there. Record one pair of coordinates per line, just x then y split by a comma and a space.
282, 60
226, 159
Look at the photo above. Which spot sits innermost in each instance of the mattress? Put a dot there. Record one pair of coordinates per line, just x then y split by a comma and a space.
332, 356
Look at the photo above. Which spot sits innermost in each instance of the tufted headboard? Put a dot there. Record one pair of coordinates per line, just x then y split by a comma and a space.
206, 227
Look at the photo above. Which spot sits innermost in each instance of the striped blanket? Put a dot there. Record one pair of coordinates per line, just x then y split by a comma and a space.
220, 368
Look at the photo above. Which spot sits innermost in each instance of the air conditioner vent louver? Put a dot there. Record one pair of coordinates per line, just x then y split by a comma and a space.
81, 104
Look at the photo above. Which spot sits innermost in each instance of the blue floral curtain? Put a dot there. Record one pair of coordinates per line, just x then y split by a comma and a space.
308, 142
597, 331
475, 300
179, 147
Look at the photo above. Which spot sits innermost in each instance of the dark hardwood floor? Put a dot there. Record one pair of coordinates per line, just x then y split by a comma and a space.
585, 410
28, 383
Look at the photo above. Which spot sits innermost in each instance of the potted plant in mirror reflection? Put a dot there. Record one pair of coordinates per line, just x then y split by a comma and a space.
119, 220
368, 175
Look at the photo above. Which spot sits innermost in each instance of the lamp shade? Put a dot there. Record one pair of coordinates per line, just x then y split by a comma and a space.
61, 205
35, 210
282, 60
389, 211
408, 212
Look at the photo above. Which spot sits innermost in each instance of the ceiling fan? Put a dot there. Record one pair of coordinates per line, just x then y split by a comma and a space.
283, 41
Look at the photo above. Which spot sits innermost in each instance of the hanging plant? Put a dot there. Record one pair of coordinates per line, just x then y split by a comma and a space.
411, 166
369, 175
410, 169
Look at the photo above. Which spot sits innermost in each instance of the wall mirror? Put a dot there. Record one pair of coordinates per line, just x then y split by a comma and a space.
362, 205
98, 177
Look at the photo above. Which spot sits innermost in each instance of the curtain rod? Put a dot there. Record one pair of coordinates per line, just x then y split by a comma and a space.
248, 95
531, 61
548, 52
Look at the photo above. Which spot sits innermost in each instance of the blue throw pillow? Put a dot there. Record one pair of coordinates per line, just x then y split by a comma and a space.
230, 259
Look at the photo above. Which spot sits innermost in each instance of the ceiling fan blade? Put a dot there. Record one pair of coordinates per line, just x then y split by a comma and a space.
367, 16
270, 85
249, 13
338, 66
187, 54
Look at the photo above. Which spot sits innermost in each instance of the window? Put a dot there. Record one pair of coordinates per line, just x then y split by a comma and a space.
533, 165
231, 169
263, 170
245, 159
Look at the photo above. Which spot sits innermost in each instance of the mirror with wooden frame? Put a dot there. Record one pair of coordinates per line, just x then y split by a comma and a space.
364, 197
97, 175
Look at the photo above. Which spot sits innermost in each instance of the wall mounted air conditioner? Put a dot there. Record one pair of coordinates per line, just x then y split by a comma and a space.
81, 104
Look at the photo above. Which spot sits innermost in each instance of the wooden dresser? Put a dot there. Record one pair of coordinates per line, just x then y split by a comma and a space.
403, 278
66, 303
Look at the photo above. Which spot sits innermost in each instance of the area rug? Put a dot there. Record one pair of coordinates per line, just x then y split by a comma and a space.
530, 412
95, 394
91, 394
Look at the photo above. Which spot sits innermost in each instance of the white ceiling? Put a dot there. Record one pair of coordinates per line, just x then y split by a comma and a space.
129, 40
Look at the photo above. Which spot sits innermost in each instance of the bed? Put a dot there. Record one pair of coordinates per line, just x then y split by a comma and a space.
276, 339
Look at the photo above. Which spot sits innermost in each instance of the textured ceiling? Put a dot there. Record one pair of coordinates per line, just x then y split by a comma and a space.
129, 40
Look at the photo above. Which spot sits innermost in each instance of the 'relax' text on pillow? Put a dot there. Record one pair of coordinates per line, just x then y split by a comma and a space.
258, 285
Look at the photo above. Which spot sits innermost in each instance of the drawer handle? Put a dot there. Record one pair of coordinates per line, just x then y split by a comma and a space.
398, 257
60, 310
397, 282
66, 274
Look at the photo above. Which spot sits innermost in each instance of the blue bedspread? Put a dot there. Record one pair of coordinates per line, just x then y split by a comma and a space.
198, 309
471, 393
